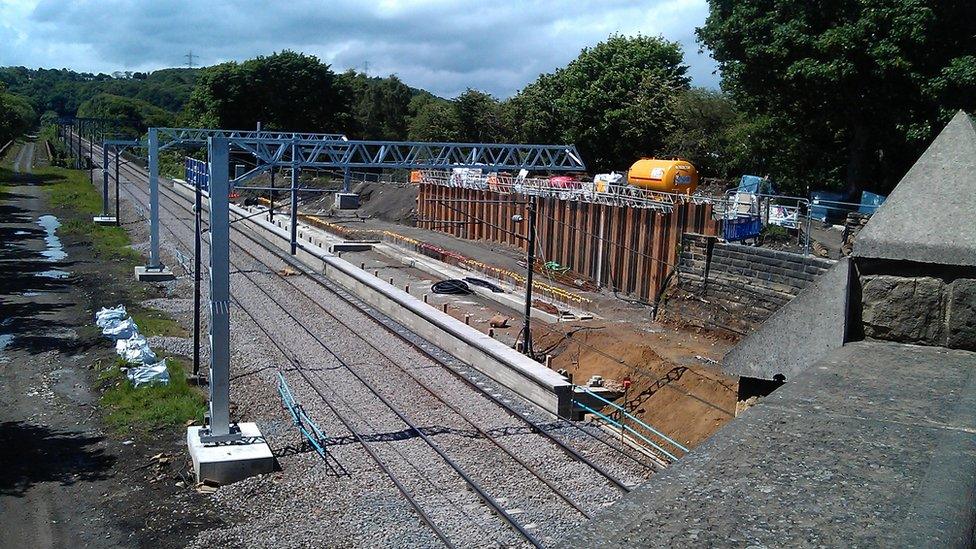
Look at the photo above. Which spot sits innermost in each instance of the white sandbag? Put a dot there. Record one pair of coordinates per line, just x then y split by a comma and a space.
149, 374
109, 314
120, 329
135, 350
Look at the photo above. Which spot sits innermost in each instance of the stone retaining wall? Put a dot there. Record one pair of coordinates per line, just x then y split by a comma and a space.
924, 310
743, 285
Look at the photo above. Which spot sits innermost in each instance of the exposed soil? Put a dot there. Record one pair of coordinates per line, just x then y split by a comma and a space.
675, 385
65, 479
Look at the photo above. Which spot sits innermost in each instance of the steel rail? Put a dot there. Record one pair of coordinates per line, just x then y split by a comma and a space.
483, 495
572, 452
298, 369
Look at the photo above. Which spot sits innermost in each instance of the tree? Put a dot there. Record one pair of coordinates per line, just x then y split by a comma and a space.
432, 119
16, 115
137, 115
284, 91
379, 106
479, 118
614, 101
707, 127
845, 91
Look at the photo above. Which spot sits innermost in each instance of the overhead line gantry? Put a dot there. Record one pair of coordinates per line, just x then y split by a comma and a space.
297, 153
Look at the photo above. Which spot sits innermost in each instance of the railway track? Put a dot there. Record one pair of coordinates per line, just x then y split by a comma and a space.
382, 411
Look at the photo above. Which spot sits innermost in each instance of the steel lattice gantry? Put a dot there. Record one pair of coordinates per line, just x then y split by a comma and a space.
160, 139
119, 146
299, 153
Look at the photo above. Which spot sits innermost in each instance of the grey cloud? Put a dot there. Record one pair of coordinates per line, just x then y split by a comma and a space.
442, 46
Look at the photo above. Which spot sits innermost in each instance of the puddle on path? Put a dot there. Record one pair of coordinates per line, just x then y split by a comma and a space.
54, 273
55, 250
5, 341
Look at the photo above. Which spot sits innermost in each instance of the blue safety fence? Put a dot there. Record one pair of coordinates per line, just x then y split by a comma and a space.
741, 228
305, 425
197, 173
626, 417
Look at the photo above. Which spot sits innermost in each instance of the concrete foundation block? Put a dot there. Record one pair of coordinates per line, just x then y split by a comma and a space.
347, 201
154, 274
104, 220
228, 463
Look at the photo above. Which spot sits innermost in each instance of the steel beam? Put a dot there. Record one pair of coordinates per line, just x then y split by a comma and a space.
219, 427
154, 262
412, 155
104, 180
294, 198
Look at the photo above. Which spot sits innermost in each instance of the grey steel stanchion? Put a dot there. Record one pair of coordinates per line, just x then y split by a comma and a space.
155, 271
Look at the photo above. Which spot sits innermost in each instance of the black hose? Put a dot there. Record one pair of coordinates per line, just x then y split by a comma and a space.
451, 287
484, 284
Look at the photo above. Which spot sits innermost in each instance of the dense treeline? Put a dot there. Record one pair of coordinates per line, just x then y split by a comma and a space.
16, 115
843, 95
61, 92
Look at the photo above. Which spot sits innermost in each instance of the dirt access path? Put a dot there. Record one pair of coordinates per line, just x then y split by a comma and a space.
64, 480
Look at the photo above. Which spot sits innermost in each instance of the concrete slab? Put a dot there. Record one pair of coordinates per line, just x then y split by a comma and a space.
228, 463
928, 217
104, 220
801, 333
350, 247
875, 445
148, 274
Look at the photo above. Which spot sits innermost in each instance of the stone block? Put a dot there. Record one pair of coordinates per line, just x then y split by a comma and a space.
903, 309
961, 314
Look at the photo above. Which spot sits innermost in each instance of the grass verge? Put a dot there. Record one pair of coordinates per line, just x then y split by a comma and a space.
152, 322
159, 406
126, 408
72, 190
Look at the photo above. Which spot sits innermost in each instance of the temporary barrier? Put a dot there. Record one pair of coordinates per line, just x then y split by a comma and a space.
628, 247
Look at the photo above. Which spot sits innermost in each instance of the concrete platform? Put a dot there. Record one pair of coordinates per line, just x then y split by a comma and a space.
104, 220
160, 274
228, 463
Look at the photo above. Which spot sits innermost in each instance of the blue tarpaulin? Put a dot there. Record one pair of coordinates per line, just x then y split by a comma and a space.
822, 205
755, 185
870, 202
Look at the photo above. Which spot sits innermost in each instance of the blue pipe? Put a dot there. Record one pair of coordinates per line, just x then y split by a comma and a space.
645, 425
622, 426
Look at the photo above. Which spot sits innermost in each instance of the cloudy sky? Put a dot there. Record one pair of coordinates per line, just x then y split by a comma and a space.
440, 45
